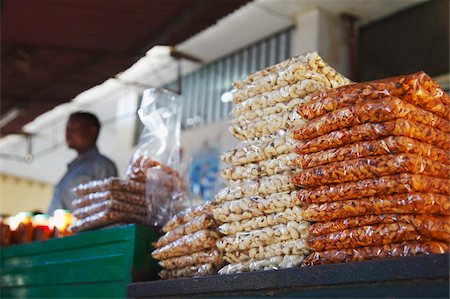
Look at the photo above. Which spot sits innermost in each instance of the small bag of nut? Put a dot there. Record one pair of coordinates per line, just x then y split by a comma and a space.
265, 236
402, 183
272, 263
380, 234
375, 252
404, 203
250, 115
289, 247
203, 239
369, 111
370, 167
418, 89
200, 222
106, 218
97, 197
188, 214
371, 131
213, 257
109, 184
389, 145
109, 204
436, 223
189, 271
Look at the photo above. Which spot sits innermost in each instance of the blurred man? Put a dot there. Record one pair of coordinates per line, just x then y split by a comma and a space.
82, 131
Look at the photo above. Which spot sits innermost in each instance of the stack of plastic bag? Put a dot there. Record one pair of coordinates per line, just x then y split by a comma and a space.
106, 202
262, 226
375, 170
188, 247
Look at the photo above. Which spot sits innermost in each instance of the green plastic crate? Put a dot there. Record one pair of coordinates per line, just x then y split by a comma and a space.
95, 264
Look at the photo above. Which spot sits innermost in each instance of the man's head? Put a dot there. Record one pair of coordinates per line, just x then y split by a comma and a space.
82, 131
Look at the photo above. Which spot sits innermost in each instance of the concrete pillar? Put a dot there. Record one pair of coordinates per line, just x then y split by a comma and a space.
318, 30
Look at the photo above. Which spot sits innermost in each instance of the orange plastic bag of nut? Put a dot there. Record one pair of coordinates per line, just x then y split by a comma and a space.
389, 145
375, 252
371, 131
322, 228
370, 167
369, 111
417, 203
395, 184
382, 234
418, 89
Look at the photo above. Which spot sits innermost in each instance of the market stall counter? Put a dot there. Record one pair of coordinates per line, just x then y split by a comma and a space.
93, 264
424, 276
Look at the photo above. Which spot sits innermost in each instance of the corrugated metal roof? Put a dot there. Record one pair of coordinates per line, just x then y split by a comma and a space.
54, 49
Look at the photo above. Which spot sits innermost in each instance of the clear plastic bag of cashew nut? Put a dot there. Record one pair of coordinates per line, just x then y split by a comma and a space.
189, 271
196, 224
109, 184
264, 236
370, 167
267, 125
109, 204
212, 256
253, 206
369, 111
188, 214
289, 214
122, 196
279, 99
389, 145
264, 186
402, 183
252, 151
381, 234
250, 115
418, 89
289, 247
188, 244
371, 131
272, 263
263, 168
438, 224
404, 203
375, 252
106, 218
308, 65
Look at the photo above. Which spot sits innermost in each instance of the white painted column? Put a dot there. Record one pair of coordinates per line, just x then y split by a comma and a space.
318, 30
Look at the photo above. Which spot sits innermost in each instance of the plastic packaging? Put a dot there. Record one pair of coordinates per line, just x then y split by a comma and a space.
122, 196
189, 271
188, 244
289, 214
380, 234
272, 263
287, 72
370, 167
417, 203
273, 166
105, 218
253, 114
402, 183
188, 214
254, 206
375, 252
212, 256
258, 150
289, 247
109, 204
267, 125
371, 131
369, 111
264, 186
265, 236
194, 225
108, 185
322, 228
418, 89
389, 145
267, 101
